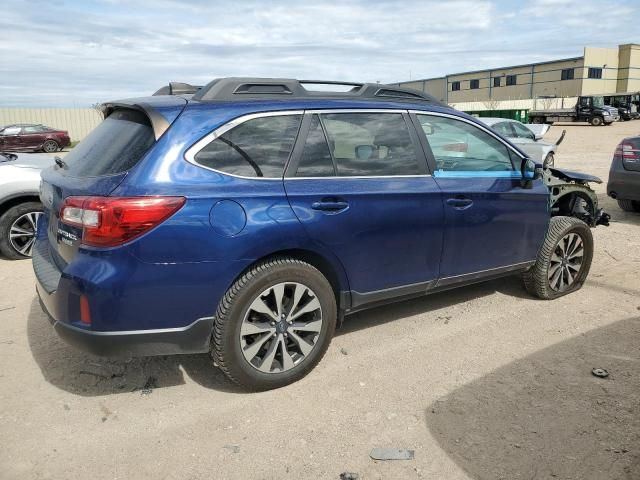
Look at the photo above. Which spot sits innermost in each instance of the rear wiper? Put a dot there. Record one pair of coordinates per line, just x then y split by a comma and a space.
8, 157
60, 162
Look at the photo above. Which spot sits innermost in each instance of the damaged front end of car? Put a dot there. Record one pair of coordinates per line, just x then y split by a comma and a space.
571, 196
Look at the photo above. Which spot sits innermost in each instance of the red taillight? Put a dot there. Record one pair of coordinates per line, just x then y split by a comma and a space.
111, 221
85, 313
626, 150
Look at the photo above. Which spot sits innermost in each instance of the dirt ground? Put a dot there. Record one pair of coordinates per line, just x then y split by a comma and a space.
483, 382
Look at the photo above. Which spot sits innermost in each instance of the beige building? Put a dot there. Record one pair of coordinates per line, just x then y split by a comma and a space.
598, 71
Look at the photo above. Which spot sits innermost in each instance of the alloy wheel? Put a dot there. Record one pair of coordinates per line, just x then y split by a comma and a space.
50, 146
22, 233
281, 327
566, 262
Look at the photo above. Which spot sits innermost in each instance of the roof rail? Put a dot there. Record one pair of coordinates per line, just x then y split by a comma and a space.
241, 88
177, 88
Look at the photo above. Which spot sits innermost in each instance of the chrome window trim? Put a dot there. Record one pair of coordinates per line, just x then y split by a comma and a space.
194, 149
481, 127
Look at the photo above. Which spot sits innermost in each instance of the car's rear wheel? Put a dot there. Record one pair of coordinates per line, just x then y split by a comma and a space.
563, 261
274, 324
18, 227
50, 146
629, 205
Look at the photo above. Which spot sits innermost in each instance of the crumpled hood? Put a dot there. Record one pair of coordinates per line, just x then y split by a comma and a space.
569, 175
30, 160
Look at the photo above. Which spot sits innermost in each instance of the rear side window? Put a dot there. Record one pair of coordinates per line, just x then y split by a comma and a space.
256, 148
371, 144
114, 146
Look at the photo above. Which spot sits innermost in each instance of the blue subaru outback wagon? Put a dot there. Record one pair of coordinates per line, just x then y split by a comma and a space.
246, 217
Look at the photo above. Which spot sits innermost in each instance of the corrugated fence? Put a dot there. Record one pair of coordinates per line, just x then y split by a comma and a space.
77, 121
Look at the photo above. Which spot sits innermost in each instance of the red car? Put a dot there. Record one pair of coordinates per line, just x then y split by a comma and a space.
30, 137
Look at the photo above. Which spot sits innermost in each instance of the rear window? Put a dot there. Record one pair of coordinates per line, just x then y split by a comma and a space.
114, 146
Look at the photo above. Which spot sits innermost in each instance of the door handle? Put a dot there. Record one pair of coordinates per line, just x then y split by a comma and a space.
330, 206
460, 202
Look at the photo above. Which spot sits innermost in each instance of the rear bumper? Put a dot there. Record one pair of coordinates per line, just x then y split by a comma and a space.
623, 184
193, 338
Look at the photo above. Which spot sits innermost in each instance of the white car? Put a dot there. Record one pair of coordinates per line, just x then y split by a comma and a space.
526, 137
20, 206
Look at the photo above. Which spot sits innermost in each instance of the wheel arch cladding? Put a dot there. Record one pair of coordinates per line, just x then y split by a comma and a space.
331, 269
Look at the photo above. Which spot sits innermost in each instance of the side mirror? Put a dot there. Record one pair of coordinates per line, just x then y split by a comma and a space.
530, 172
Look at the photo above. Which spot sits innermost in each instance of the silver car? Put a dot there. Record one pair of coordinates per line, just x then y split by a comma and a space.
526, 137
20, 206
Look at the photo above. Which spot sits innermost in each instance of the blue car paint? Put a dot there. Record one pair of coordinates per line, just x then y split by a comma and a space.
395, 231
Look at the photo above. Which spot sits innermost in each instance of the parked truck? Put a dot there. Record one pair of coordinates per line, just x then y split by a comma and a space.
626, 103
589, 109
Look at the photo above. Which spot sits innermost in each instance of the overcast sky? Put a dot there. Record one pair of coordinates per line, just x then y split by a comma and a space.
75, 53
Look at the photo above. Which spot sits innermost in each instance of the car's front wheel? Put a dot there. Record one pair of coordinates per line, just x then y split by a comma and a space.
549, 160
563, 261
18, 227
274, 324
629, 205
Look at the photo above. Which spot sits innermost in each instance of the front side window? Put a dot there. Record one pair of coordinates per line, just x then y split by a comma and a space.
256, 148
316, 160
458, 146
370, 144
10, 131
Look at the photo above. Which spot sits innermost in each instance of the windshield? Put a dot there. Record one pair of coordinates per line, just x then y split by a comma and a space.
598, 102
114, 146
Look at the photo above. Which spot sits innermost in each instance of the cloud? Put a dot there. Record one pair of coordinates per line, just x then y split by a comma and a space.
79, 53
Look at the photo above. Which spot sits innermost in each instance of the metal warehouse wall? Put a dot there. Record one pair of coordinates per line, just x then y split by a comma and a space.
77, 121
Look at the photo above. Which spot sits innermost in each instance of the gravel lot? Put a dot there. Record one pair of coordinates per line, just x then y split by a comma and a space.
482, 382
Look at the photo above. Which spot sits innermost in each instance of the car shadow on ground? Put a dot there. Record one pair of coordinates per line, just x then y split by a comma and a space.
83, 374
547, 415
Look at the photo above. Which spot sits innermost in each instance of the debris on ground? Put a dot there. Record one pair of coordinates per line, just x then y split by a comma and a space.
349, 476
151, 383
2, 309
344, 351
233, 448
391, 454
600, 373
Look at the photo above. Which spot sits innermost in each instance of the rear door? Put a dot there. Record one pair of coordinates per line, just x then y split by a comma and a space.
96, 166
32, 137
358, 182
492, 223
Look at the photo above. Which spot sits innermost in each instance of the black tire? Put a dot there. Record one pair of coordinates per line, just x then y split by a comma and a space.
549, 160
536, 279
226, 348
597, 121
629, 205
50, 146
6, 222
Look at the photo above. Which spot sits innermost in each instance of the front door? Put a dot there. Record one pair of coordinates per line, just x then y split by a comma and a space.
9, 139
492, 223
359, 184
